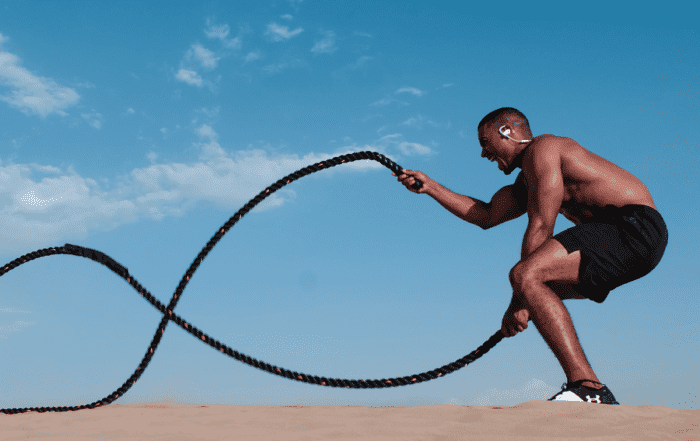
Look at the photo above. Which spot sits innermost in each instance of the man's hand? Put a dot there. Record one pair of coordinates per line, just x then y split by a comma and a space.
408, 178
515, 319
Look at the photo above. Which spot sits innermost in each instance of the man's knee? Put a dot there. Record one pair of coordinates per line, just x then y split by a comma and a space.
518, 277
519, 274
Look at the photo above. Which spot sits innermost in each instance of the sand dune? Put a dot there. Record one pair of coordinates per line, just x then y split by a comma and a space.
533, 420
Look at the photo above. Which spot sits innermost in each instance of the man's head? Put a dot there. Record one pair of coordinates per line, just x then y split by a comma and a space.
499, 148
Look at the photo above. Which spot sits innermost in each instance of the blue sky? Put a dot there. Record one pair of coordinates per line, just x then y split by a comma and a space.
139, 130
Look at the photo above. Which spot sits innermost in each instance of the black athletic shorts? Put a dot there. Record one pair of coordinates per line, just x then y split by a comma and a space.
619, 245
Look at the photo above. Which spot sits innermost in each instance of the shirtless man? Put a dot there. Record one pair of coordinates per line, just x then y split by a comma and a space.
618, 236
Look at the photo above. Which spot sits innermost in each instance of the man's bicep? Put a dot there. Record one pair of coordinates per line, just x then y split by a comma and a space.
510, 202
545, 186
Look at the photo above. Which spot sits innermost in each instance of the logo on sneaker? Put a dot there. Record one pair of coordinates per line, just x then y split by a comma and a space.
594, 400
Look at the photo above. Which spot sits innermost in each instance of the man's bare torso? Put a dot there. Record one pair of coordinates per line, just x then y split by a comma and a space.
592, 182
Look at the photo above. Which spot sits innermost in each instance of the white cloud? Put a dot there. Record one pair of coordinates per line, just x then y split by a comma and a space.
413, 148
233, 44
287, 17
397, 141
387, 101
4, 39
413, 121
46, 206
363, 34
190, 77
15, 327
280, 33
445, 86
30, 93
362, 61
152, 157
274, 68
419, 121
277, 68
203, 55
326, 45
383, 102
438, 125
368, 117
94, 119
219, 32
252, 56
130, 111
412, 90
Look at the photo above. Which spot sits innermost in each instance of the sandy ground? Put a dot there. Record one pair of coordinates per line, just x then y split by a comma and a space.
533, 420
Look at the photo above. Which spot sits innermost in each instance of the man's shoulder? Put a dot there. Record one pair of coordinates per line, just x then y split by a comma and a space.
544, 146
546, 142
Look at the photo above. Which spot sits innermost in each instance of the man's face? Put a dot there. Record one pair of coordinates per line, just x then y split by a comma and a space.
493, 148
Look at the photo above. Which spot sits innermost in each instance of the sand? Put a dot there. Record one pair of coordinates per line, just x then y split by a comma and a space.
533, 420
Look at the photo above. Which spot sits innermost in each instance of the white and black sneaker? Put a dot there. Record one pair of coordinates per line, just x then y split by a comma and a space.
576, 391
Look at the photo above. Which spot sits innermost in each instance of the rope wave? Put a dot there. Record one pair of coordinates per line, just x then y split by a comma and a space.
169, 315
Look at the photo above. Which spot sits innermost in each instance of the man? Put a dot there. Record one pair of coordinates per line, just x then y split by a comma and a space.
618, 236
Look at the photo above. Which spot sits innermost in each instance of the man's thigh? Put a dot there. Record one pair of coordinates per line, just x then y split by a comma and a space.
565, 291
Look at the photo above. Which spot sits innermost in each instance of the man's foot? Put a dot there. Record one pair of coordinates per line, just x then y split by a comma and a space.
592, 384
576, 391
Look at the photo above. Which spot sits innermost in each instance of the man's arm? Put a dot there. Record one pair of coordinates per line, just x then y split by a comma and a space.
545, 193
471, 210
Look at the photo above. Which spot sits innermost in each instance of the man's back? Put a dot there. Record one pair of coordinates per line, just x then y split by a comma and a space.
592, 182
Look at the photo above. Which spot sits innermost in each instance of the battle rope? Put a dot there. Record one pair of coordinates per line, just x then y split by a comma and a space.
110, 263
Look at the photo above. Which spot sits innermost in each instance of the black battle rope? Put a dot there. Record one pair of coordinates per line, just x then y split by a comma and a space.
110, 263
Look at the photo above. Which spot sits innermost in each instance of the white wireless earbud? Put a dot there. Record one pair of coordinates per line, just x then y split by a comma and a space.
507, 132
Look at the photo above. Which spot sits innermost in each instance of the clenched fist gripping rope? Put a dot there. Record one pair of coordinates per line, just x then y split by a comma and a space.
169, 315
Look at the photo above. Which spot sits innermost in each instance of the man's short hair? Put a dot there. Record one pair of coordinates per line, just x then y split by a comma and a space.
507, 115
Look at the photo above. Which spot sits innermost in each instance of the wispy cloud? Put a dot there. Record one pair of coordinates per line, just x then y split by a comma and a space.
362, 61
190, 77
413, 148
387, 101
412, 90
397, 141
419, 121
205, 57
17, 326
363, 34
281, 33
368, 117
93, 118
326, 45
287, 17
221, 32
46, 205
279, 67
252, 56
382, 102
30, 93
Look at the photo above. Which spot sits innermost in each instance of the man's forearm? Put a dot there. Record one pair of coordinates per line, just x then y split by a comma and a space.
471, 210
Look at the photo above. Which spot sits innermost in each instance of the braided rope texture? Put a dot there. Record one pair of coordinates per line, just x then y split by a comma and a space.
169, 315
